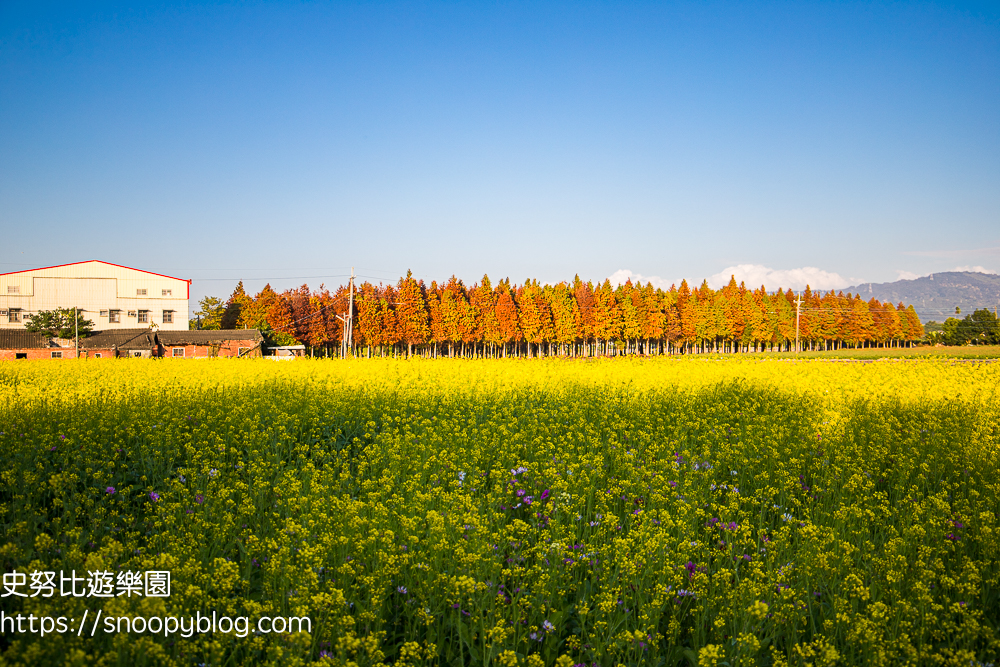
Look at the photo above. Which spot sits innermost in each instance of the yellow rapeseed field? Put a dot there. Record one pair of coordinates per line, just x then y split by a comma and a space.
682, 511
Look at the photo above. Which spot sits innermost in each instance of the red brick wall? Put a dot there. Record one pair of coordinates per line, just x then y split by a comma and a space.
228, 349
105, 354
190, 351
43, 353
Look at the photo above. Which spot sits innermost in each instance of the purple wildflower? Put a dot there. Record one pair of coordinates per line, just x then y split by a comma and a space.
154, 496
110, 490
199, 499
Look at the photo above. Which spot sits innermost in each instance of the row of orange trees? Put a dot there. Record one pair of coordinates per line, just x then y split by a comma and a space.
570, 318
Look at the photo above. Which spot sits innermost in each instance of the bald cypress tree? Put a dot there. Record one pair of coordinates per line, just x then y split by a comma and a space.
483, 303
239, 300
412, 317
583, 295
607, 316
508, 331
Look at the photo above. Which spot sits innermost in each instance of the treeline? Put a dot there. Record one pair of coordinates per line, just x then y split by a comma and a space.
980, 328
568, 319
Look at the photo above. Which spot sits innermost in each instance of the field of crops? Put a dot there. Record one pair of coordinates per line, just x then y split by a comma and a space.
510, 512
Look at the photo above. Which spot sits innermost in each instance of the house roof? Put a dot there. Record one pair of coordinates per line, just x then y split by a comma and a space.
208, 336
21, 339
123, 339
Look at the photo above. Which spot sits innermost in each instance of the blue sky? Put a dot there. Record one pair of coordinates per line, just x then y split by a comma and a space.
834, 142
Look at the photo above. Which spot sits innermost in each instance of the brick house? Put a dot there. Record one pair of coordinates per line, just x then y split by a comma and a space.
208, 343
119, 343
22, 344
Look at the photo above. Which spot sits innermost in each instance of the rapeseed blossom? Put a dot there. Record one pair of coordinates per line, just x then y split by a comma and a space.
553, 512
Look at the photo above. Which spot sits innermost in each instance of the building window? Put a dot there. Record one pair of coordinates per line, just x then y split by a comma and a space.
14, 315
168, 317
57, 355
136, 353
166, 292
140, 292
13, 289
177, 352
143, 316
20, 355
97, 355
114, 316
240, 351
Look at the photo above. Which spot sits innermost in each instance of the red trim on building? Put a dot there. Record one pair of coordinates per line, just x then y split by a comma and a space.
100, 261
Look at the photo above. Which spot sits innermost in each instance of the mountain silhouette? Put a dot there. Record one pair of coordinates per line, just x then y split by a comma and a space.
936, 296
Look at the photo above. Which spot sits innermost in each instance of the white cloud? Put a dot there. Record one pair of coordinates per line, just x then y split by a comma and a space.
621, 275
755, 275
908, 275
974, 269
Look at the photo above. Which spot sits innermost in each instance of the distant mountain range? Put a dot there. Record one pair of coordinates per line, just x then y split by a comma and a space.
936, 296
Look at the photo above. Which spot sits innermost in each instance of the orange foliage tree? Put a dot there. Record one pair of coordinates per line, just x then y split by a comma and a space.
568, 319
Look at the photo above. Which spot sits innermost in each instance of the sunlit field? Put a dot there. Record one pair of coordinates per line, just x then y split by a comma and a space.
685, 511
918, 352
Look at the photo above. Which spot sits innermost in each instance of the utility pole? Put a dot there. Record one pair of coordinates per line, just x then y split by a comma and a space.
76, 331
350, 316
798, 304
343, 337
346, 341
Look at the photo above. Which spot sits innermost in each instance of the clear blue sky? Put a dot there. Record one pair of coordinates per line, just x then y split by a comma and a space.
289, 141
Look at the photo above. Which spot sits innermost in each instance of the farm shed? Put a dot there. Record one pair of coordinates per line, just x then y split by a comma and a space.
210, 343
286, 352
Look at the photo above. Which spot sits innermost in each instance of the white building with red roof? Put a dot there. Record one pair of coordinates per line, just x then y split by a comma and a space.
111, 296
